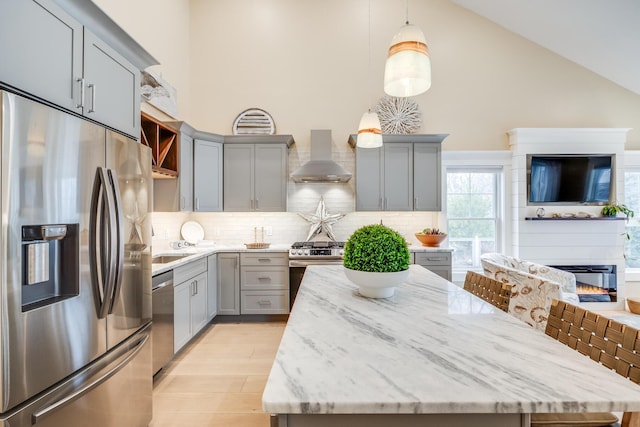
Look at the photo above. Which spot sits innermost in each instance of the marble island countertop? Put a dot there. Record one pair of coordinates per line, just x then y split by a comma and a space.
432, 348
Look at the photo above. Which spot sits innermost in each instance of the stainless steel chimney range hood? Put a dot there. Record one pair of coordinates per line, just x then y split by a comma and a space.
321, 167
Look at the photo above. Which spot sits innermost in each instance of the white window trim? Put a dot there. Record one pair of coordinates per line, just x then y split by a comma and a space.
631, 163
486, 159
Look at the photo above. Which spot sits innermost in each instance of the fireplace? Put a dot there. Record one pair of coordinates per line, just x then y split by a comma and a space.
594, 283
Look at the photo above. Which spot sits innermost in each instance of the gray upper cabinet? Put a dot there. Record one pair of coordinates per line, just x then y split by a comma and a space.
427, 189
256, 172
398, 177
41, 51
207, 176
403, 175
52, 53
111, 87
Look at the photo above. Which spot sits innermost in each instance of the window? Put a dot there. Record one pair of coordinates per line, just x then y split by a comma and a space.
632, 200
473, 213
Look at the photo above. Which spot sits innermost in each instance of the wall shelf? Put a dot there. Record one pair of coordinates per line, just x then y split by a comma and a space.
595, 218
163, 141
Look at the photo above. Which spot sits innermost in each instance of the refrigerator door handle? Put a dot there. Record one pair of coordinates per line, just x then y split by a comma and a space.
102, 264
127, 354
117, 231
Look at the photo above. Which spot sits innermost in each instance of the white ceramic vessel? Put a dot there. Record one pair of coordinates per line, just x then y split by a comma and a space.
376, 285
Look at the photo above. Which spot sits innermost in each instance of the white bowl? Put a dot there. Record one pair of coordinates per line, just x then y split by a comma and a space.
376, 285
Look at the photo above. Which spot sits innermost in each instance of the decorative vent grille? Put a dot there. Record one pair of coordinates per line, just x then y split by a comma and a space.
254, 121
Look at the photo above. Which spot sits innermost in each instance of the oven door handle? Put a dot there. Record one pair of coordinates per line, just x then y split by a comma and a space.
306, 263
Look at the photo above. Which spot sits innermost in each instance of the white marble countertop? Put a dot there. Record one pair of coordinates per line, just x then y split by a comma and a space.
432, 348
196, 252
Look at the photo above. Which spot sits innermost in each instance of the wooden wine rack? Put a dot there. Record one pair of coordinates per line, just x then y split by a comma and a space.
163, 141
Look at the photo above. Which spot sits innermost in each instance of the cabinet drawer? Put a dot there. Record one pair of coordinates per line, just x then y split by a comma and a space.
264, 258
190, 270
256, 278
437, 258
264, 302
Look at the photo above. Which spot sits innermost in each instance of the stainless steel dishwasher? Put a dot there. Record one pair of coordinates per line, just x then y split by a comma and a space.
162, 329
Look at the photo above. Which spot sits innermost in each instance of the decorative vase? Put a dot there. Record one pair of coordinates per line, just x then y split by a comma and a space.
376, 285
431, 239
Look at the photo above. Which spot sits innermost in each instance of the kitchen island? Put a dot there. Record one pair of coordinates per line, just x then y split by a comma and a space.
431, 355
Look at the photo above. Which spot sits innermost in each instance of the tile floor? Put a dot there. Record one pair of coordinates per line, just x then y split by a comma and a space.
218, 379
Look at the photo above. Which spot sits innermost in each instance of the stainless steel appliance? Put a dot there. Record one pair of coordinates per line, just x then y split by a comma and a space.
75, 282
303, 254
162, 336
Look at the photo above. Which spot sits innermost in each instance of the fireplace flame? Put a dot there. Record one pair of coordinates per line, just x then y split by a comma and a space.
587, 289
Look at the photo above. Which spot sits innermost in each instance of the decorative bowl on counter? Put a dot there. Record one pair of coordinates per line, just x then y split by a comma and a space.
257, 245
430, 239
634, 304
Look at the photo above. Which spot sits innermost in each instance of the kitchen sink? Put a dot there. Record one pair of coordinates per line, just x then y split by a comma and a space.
164, 259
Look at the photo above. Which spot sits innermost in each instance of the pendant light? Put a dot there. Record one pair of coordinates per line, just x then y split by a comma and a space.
407, 71
369, 132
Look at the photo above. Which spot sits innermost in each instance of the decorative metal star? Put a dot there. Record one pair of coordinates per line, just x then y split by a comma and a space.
321, 221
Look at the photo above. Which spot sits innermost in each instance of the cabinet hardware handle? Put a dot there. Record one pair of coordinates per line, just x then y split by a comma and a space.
264, 302
415, 202
251, 204
257, 205
380, 203
183, 202
264, 278
92, 109
264, 260
80, 81
197, 203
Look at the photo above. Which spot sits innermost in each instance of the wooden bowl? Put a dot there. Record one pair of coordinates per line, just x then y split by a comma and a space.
634, 304
431, 239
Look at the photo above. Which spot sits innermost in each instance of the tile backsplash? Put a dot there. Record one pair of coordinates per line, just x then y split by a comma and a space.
236, 228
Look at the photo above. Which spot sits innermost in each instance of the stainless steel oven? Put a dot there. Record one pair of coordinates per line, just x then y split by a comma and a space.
303, 254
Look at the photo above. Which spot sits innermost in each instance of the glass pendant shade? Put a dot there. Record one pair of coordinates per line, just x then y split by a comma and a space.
407, 71
369, 133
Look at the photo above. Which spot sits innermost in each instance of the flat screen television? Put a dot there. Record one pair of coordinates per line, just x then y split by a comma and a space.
570, 179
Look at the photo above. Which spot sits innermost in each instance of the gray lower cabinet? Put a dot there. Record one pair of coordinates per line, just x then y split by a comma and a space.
264, 283
403, 175
190, 301
61, 61
255, 177
212, 286
207, 176
437, 262
228, 283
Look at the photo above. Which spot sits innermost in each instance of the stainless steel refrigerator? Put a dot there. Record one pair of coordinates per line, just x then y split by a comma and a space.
75, 286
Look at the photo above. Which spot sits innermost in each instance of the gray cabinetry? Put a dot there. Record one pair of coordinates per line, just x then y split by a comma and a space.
48, 53
190, 301
207, 176
398, 177
427, 186
41, 51
256, 173
403, 175
228, 283
111, 87
212, 286
437, 262
264, 283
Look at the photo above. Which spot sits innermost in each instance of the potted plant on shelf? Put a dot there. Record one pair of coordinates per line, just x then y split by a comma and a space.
431, 236
613, 209
376, 258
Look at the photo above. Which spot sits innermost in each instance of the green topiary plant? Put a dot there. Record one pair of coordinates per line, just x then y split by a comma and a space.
376, 248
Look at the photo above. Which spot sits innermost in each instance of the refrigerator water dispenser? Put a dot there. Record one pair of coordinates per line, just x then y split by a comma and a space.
49, 264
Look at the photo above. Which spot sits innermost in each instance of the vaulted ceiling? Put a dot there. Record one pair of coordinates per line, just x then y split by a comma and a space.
602, 36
